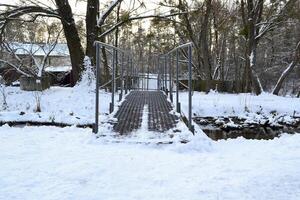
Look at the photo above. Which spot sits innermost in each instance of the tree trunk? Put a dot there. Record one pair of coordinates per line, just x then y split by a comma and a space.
106, 75
72, 37
91, 28
117, 38
256, 81
288, 70
204, 41
251, 77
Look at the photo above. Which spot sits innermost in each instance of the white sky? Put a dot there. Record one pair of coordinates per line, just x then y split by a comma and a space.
79, 7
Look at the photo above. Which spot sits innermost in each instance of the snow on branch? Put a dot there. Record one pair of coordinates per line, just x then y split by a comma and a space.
274, 20
103, 17
31, 51
288, 70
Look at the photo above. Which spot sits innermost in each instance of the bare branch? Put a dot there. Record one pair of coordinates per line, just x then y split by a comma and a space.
103, 17
52, 47
15, 67
120, 23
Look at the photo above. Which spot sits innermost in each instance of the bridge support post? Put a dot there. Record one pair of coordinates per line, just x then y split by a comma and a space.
126, 85
177, 82
131, 75
112, 104
161, 75
148, 68
170, 77
191, 127
158, 73
98, 60
122, 77
166, 75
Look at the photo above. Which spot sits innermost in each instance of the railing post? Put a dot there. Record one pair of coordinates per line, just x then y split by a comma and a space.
162, 75
170, 77
158, 73
131, 74
127, 65
122, 76
190, 88
148, 76
138, 78
166, 77
177, 82
98, 60
112, 105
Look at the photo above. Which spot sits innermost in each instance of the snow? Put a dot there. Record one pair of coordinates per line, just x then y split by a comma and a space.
71, 163
148, 81
222, 104
66, 105
39, 49
283, 75
251, 58
53, 163
58, 104
58, 69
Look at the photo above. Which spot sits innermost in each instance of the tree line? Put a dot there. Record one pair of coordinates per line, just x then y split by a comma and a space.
252, 42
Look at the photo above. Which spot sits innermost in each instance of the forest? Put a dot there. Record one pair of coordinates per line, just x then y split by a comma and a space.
253, 43
149, 99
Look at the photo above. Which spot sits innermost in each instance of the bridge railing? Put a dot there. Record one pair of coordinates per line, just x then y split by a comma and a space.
127, 72
166, 76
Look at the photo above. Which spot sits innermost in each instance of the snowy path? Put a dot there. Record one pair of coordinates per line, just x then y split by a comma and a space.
68, 163
130, 113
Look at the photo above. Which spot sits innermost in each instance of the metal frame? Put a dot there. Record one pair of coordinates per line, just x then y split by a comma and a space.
168, 63
129, 67
165, 73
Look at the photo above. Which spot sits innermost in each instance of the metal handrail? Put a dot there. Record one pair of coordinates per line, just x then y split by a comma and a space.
180, 47
108, 45
124, 55
108, 82
166, 73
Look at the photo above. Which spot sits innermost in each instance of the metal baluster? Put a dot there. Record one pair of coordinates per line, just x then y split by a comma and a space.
127, 65
111, 108
122, 76
158, 73
177, 82
165, 74
170, 78
132, 78
98, 60
190, 88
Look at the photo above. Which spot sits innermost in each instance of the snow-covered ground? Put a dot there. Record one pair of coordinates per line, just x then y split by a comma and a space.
224, 104
148, 81
245, 105
58, 104
70, 163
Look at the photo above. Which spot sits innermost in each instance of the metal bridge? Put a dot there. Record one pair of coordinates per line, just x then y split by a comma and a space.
145, 93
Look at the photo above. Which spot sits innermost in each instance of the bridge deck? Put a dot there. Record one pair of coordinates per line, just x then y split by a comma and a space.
145, 105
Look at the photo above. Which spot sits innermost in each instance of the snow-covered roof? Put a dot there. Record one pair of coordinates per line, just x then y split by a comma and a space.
58, 69
40, 49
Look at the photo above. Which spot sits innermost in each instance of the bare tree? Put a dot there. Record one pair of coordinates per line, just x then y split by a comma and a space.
19, 64
288, 70
255, 27
63, 12
3, 93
